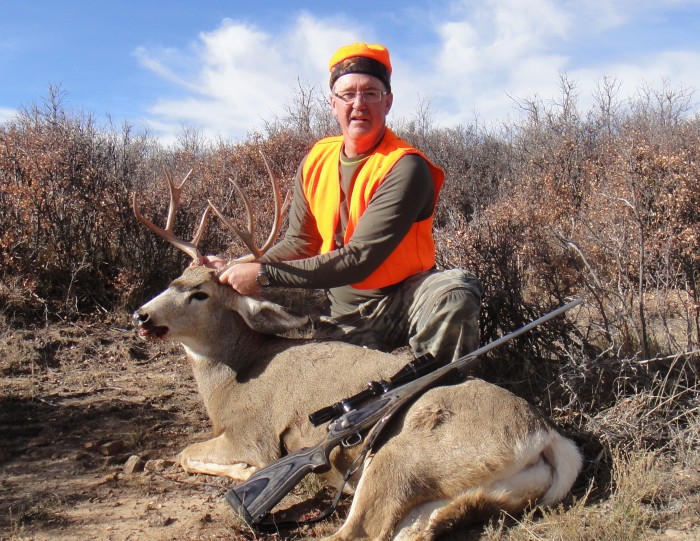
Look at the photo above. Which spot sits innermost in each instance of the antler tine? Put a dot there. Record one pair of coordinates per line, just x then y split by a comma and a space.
190, 248
248, 209
200, 230
175, 192
280, 209
243, 235
248, 236
286, 203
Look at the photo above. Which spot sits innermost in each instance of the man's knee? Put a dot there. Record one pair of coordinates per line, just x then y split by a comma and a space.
447, 320
463, 279
462, 308
459, 293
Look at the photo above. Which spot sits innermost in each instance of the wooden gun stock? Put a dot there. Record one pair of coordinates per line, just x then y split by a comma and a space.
254, 498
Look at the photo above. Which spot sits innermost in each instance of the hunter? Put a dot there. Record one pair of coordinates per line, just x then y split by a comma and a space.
361, 228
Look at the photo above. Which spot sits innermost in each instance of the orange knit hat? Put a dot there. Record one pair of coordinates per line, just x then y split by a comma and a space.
372, 59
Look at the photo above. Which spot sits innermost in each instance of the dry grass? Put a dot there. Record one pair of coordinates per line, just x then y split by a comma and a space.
641, 477
650, 496
64, 386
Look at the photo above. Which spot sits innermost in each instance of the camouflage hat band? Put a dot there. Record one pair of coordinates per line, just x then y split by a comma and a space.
360, 64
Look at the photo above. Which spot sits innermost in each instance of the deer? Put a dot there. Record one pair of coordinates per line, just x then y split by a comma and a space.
460, 453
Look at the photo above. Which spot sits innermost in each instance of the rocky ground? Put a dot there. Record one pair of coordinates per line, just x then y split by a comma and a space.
91, 422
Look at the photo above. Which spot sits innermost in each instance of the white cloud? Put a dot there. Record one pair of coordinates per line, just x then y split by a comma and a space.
481, 56
234, 73
312, 41
241, 75
503, 50
667, 71
157, 62
6, 115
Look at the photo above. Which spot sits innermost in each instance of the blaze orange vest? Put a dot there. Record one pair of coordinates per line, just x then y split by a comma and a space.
321, 184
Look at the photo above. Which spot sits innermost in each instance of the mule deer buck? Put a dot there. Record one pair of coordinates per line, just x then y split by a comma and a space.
459, 453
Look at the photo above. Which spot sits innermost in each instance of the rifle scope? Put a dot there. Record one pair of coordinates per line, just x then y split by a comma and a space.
416, 368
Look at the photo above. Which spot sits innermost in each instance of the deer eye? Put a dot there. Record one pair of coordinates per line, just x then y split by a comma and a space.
198, 296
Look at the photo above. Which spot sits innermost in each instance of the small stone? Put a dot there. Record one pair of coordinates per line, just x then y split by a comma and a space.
134, 464
112, 448
94, 446
159, 465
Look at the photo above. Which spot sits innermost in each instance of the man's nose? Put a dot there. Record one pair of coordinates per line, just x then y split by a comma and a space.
359, 101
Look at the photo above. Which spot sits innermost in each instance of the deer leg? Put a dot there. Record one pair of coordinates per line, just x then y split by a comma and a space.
382, 498
212, 457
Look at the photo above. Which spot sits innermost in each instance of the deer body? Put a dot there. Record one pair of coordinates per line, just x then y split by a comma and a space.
458, 452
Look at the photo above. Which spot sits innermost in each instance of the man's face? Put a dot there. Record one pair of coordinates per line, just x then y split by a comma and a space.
362, 121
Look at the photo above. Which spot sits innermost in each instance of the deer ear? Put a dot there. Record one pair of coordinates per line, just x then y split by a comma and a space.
266, 317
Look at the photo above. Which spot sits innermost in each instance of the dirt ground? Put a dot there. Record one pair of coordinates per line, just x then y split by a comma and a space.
78, 403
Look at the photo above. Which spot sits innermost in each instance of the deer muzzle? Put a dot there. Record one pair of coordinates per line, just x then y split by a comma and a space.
147, 329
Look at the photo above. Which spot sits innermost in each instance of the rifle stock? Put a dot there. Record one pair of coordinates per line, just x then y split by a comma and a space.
265, 488
256, 497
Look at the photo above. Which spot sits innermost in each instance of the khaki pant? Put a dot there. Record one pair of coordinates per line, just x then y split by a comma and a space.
433, 312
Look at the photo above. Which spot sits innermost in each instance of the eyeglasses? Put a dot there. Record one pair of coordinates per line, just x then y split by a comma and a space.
370, 96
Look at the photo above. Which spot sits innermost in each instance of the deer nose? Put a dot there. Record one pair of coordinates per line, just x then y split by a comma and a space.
139, 317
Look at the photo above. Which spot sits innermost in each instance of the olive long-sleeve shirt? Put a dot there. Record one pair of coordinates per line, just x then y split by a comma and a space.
405, 197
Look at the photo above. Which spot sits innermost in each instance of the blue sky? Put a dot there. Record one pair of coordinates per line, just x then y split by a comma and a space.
225, 67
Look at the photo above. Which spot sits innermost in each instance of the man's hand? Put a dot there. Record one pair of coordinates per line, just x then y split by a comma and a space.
243, 277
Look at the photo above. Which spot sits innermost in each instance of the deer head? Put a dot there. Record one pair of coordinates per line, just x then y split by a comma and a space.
196, 298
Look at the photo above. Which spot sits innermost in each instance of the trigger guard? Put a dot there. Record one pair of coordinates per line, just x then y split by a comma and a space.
352, 440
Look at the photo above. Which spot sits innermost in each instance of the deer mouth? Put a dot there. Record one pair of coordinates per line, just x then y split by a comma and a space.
153, 333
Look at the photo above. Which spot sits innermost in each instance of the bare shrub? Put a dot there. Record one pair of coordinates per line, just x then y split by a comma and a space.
307, 115
64, 205
555, 204
67, 227
610, 210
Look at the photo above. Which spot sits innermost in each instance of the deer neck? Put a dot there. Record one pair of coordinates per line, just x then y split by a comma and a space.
219, 361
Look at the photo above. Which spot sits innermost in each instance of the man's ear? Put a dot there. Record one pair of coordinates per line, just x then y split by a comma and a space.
334, 105
389, 102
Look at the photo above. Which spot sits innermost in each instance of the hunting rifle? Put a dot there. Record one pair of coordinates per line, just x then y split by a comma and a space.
255, 498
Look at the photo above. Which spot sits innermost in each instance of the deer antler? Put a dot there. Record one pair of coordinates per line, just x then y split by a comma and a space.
248, 236
190, 248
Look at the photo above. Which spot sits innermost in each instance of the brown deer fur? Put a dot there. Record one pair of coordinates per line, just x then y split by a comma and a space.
459, 452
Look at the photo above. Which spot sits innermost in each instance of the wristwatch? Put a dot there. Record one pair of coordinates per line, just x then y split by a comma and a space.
263, 278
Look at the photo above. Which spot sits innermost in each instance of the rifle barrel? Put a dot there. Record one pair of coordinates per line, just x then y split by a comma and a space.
419, 367
522, 330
